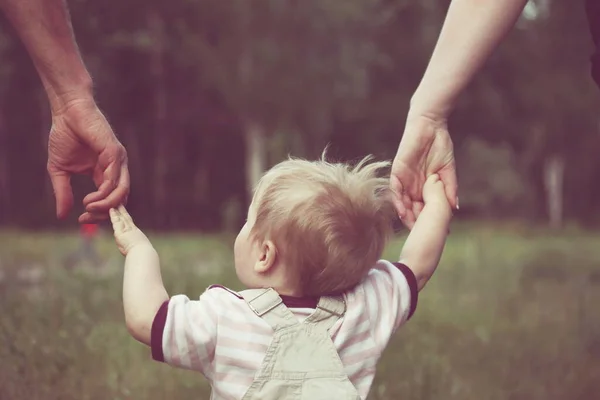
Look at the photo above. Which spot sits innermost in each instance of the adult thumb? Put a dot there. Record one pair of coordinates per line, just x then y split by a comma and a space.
448, 177
63, 193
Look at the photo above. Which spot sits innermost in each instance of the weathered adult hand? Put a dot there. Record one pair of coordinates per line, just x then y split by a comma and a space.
81, 141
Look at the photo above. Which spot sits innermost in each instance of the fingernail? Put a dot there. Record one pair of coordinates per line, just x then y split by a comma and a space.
457, 206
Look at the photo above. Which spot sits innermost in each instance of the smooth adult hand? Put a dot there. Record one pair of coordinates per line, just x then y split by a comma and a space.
81, 141
425, 149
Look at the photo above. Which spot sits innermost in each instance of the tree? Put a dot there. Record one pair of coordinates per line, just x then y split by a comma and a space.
285, 65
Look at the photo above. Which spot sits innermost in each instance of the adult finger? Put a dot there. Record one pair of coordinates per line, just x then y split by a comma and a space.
92, 218
107, 183
448, 177
117, 196
417, 208
107, 174
397, 191
86, 217
409, 219
63, 193
98, 176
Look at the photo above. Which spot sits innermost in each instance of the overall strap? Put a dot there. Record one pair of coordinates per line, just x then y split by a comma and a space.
267, 304
329, 311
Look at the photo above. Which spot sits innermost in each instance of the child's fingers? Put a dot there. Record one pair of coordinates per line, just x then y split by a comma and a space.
122, 210
117, 221
126, 216
114, 216
433, 178
119, 227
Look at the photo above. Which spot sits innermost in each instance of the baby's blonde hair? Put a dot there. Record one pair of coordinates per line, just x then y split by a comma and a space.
329, 220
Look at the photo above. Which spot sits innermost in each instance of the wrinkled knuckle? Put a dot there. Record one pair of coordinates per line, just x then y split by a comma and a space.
112, 184
113, 151
51, 167
118, 151
123, 151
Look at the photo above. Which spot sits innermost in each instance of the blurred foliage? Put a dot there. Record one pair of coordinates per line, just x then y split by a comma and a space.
182, 82
505, 194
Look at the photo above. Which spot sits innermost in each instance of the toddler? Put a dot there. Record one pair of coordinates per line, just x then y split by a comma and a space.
321, 304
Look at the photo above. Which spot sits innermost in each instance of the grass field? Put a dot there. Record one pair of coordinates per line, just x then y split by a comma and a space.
511, 314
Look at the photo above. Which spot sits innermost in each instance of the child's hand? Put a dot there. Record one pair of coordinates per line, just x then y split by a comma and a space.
434, 193
127, 235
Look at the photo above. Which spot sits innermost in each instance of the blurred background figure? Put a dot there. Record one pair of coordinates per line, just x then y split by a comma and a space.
87, 250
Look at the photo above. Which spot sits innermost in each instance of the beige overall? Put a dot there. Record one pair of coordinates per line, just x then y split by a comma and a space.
301, 362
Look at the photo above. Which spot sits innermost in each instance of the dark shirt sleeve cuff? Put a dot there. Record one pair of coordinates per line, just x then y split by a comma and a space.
156, 335
412, 284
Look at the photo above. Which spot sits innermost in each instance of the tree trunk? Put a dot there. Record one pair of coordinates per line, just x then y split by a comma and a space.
256, 146
4, 172
256, 155
157, 68
554, 171
141, 187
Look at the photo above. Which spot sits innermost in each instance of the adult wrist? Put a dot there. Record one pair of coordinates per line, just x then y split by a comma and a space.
422, 106
421, 123
62, 96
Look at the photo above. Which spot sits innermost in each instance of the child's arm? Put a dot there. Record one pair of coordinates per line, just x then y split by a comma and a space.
143, 289
423, 247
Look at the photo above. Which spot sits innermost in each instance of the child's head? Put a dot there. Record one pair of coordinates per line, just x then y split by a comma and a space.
314, 227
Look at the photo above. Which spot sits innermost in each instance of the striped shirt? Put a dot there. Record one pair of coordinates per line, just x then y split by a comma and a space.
221, 337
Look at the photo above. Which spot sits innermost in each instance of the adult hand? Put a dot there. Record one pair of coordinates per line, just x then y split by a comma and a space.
81, 141
425, 149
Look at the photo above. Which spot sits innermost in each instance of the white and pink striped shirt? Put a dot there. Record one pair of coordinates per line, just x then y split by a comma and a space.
221, 337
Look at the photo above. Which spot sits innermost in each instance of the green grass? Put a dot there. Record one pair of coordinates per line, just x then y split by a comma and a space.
511, 314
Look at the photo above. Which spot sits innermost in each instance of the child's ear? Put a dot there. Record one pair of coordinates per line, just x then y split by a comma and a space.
267, 257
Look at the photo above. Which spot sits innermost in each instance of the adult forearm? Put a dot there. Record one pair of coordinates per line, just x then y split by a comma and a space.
45, 28
143, 291
471, 31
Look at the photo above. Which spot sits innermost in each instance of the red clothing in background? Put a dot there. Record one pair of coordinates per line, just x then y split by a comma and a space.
89, 230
